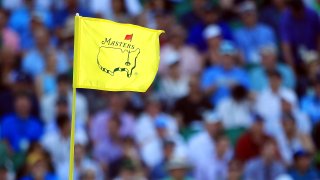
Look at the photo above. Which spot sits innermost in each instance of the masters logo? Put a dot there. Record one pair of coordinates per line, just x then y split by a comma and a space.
126, 53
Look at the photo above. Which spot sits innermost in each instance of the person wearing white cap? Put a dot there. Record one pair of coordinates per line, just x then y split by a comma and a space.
213, 36
202, 145
178, 168
252, 34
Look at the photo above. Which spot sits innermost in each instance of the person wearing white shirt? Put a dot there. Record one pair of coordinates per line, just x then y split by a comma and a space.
202, 146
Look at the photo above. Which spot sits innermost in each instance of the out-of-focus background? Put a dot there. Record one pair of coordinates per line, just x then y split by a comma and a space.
237, 95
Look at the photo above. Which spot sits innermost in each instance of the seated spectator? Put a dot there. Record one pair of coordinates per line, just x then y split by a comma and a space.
217, 167
20, 128
46, 82
291, 140
202, 146
178, 169
160, 170
259, 74
268, 102
211, 16
189, 109
299, 31
34, 60
234, 170
302, 168
250, 144
190, 59
267, 165
213, 36
174, 84
109, 149
9, 37
129, 164
252, 35
240, 119
82, 162
310, 104
8, 68
60, 138
39, 167
48, 102
217, 80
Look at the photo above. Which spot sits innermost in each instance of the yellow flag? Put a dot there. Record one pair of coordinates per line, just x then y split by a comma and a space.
113, 56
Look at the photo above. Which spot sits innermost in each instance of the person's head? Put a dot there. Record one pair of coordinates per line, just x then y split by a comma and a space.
161, 126
178, 168
234, 170
288, 102
239, 93
38, 165
257, 128
288, 124
51, 62
23, 83
64, 84
275, 79
118, 6
22, 105
4, 14
302, 160
194, 85
64, 124
127, 169
279, 3
269, 150
199, 5
117, 102
228, 54
168, 148
8, 57
269, 56
248, 13
213, 124
153, 106
211, 14
62, 106
88, 174
296, 7
114, 125
177, 35
212, 34
42, 38
222, 145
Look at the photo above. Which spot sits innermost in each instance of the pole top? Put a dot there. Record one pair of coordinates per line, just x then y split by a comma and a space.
77, 14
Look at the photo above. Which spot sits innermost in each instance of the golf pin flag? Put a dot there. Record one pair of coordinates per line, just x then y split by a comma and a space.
113, 56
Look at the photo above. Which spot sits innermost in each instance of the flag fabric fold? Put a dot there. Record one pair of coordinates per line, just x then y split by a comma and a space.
113, 56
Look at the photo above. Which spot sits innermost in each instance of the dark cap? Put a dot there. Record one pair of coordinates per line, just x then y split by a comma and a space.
23, 78
257, 117
301, 153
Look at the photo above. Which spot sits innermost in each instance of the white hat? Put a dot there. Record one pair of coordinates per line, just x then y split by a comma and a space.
81, 138
178, 163
211, 31
171, 58
211, 117
268, 49
289, 97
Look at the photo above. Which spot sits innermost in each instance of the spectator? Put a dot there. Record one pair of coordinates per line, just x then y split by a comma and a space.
34, 61
190, 59
269, 62
253, 34
234, 170
268, 101
297, 34
9, 68
291, 140
178, 169
46, 82
267, 165
217, 80
9, 37
203, 145
20, 128
311, 103
302, 168
60, 138
213, 36
64, 91
217, 167
250, 144
189, 109
240, 119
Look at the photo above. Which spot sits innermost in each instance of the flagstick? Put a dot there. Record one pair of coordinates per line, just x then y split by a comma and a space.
73, 121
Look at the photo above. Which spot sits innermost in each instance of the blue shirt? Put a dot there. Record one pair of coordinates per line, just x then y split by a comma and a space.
34, 63
310, 104
20, 132
251, 39
309, 174
259, 78
48, 176
300, 32
223, 79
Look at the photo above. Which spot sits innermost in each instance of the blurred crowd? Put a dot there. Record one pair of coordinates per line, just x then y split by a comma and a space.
237, 95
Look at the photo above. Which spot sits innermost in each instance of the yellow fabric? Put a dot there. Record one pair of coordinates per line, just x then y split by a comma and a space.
113, 56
